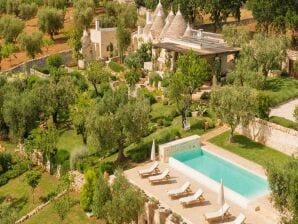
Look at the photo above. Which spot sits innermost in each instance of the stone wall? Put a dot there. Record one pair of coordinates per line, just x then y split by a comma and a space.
26, 66
183, 144
275, 136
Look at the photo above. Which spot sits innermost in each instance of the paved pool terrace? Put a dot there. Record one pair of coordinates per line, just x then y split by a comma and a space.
194, 215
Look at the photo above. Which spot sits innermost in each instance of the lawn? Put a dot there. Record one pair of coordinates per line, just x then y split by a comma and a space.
22, 194
69, 140
284, 122
75, 216
249, 149
281, 89
158, 110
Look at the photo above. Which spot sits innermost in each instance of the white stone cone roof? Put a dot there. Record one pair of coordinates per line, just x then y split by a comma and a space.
188, 32
169, 20
157, 26
177, 27
158, 9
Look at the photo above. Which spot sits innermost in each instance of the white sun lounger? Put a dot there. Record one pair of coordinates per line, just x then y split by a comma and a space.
150, 171
221, 213
196, 198
239, 220
164, 176
183, 190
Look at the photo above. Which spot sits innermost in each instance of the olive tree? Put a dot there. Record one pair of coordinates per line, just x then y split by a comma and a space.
10, 28
50, 21
31, 43
234, 105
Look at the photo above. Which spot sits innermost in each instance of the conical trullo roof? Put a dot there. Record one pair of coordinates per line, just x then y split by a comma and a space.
188, 32
169, 20
157, 26
158, 9
177, 27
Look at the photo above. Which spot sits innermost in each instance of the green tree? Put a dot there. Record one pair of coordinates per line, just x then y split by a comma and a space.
97, 74
83, 13
79, 114
44, 140
127, 202
31, 43
62, 206
10, 28
132, 77
47, 42
236, 36
123, 39
58, 4
101, 195
12, 6
50, 21
87, 192
234, 105
283, 184
28, 11
33, 179
191, 73
8, 213
5, 161
274, 13
118, 121
74, 40
5, 51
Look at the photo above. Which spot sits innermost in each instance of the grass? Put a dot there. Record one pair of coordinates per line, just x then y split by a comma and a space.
21, 193
281, 89
114, 66
284, 122
69, 140
158, 110
75, 216
249, 149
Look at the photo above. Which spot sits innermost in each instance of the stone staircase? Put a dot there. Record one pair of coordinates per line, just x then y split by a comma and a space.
217, 131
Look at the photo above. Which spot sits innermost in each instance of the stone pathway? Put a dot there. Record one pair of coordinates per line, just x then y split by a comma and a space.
285, 110
215, 132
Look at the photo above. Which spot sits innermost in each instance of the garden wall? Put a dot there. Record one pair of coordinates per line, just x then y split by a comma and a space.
26, 66
275, 136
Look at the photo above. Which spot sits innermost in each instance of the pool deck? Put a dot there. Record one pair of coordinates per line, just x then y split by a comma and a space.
194, 215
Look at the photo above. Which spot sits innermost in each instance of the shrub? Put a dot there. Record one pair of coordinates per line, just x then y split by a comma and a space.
263, 105
116, 67
28, 11
48, 196
76, 155
205, 96
54, 60
3, 180
5, 161
18, 169
65, 167
79, 80
85, 163
10, 28
107, 167
284, 122
147, 94
61, 156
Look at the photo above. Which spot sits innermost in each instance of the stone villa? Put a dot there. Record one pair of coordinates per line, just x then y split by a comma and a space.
171, 36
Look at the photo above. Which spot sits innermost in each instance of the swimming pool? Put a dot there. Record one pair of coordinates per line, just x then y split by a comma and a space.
236, 178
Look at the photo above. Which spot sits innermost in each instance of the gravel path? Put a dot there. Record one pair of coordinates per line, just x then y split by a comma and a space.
285, 110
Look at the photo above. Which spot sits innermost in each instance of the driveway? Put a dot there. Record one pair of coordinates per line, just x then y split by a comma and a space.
285, 110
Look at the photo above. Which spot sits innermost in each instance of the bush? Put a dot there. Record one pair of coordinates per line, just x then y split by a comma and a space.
54, 60
205, 96
116, 67
263, 105
284, 122
10, 28
84, 164
61, 156
147, 94
65, 167
79, 80
3, 180
48, 196
107, 167
76, 155
18, 169
140, 152
28, 11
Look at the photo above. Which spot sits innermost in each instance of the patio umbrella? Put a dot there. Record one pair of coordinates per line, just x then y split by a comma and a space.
221, 195
153, 151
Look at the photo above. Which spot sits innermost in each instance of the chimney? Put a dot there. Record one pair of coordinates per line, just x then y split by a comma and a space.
200, 34
97, 24
148, 17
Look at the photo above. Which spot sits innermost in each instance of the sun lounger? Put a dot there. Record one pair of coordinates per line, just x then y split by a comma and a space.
181, 191
239, 220
221, 213
164, 176
196, 198
150, 171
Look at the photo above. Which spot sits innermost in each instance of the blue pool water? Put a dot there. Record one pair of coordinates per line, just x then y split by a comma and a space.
234, 177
